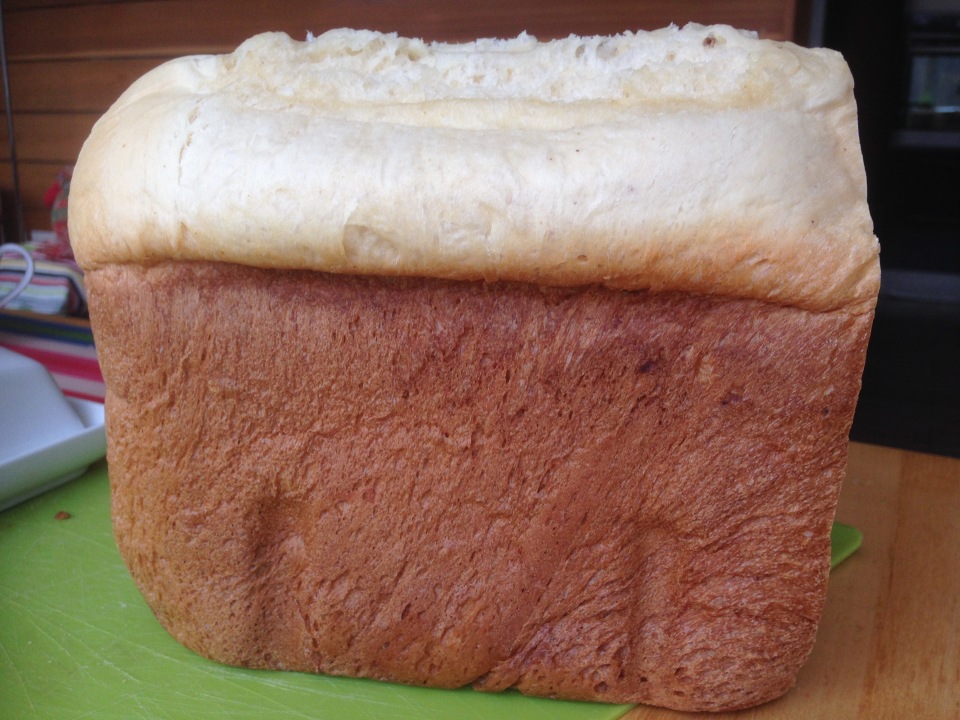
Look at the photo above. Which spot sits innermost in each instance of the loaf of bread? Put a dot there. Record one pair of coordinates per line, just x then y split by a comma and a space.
511, 364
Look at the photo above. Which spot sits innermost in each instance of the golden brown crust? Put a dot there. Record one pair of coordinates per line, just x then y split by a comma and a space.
579, 493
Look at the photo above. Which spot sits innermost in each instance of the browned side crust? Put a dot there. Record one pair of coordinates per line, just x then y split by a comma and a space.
579, 493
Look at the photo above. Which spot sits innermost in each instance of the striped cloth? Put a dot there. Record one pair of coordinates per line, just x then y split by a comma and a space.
55, 289
61, 344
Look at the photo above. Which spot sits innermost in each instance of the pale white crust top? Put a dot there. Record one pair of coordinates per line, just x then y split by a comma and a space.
698, 159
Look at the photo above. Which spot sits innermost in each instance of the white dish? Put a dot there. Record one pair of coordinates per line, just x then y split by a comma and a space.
33, 411
46, 439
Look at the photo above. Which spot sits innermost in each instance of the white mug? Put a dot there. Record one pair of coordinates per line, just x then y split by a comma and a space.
27, 272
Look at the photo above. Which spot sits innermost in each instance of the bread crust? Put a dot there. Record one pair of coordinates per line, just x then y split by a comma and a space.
580, 493
696, 160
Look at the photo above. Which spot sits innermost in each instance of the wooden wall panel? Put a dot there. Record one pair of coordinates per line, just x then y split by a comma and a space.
35, 179
70, 59
161, 27
30, 4
48, 137
73, 85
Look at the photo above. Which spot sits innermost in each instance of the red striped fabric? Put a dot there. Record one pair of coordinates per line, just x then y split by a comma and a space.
63, 345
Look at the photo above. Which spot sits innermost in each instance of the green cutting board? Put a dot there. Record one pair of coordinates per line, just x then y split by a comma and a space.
78, 641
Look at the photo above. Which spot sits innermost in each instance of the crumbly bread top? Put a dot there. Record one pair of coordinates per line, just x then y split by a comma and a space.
698, 159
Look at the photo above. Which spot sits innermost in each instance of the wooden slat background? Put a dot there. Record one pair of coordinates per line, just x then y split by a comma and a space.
70, 59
